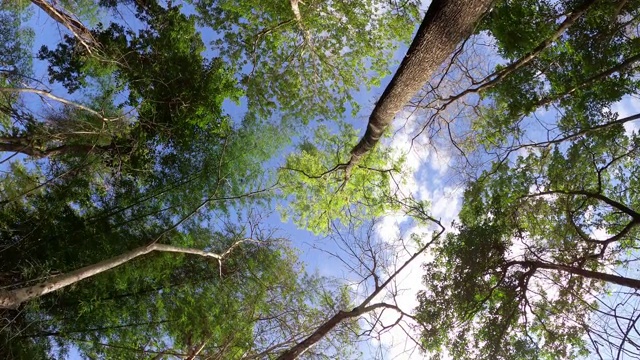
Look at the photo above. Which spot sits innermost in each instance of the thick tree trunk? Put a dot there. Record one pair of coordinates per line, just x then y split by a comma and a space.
609, 278
445, 25
11, 299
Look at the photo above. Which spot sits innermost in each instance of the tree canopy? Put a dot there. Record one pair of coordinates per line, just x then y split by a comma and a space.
544, 232
151, 150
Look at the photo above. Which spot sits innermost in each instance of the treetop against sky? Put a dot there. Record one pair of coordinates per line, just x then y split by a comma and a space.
319, 179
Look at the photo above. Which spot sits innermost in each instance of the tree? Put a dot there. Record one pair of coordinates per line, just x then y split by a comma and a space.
250, 305
12, 299
150, 63
77, 28
445, 24
528, 273
376, 267
535, 241
301, 61
552, 67
532, 270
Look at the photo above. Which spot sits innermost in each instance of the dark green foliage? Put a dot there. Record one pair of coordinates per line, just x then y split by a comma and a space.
584, 72
171, 85
514, 280
140, 150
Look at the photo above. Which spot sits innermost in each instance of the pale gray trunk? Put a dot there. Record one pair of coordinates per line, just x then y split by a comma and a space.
11, 299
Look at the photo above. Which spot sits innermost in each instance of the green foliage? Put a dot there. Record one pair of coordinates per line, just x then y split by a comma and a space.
306, 70
15, 56
318, 191
546, 208
170, 84
492, 291
515, 36
582, 74
179, 303
15, 46
141, 150
85, 10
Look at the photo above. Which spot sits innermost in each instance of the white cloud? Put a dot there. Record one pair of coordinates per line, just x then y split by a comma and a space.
415, 155
388, 228
446, 204
440, 161
423, 183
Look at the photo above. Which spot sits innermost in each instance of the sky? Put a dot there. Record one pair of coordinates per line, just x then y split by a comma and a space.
430, 180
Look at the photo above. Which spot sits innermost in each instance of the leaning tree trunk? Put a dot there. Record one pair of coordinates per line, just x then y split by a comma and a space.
304, 345
12, 299
446, 24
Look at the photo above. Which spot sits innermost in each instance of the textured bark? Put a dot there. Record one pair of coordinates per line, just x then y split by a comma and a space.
296, 13
12, 299
446, 23
317, 335
76, 27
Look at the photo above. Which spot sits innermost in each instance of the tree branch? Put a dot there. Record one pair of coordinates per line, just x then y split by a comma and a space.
12, 299
78, 29
49, 95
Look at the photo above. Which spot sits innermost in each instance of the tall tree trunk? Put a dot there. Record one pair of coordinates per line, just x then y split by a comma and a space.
446, 24
11, 299
299, 348
316, 336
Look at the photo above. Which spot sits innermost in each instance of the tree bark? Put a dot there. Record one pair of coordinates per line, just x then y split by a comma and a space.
12, 299
446, 23
317, 335
610, 278
78, 29
37, 153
